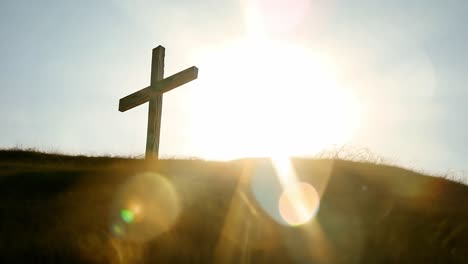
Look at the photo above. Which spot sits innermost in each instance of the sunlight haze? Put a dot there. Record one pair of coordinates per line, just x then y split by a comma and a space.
275, 78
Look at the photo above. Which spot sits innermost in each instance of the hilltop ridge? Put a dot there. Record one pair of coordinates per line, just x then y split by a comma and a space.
72, 209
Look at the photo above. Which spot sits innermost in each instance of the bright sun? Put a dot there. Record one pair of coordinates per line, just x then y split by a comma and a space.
268, 98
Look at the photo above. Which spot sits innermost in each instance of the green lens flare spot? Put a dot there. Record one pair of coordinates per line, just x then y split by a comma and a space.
117, 230
127, 215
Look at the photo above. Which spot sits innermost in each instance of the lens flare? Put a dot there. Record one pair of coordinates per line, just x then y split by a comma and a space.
117, 229
282, 195
299, 203
146, 206
127, 215
266, 188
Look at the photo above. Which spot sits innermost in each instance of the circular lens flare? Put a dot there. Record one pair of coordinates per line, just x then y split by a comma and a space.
127, 215
299, 203
117, 229
146, 206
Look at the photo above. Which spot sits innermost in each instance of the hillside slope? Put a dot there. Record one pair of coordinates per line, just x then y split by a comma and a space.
76, 209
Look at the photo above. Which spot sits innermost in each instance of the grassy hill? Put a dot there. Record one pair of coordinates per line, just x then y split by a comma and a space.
77, 209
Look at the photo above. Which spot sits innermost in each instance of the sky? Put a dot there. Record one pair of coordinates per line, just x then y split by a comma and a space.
64, 65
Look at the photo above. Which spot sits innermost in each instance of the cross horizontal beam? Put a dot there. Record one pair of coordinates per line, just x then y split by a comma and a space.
165, 85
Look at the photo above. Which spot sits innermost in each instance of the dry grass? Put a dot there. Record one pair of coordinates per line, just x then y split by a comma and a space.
57, 208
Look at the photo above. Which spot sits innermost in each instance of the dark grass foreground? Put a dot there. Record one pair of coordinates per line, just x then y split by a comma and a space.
65, 209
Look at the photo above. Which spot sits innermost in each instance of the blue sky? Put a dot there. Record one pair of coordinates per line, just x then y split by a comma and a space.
65, 64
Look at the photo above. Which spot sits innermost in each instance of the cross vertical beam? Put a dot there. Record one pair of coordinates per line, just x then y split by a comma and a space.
153, 94
155, 105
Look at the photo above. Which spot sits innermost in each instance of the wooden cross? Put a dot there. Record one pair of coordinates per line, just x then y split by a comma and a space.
153, 95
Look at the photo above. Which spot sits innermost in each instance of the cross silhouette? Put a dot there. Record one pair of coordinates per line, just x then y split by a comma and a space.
153, 94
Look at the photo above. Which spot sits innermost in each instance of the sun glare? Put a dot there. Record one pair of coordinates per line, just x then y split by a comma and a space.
299, 203
268, 98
